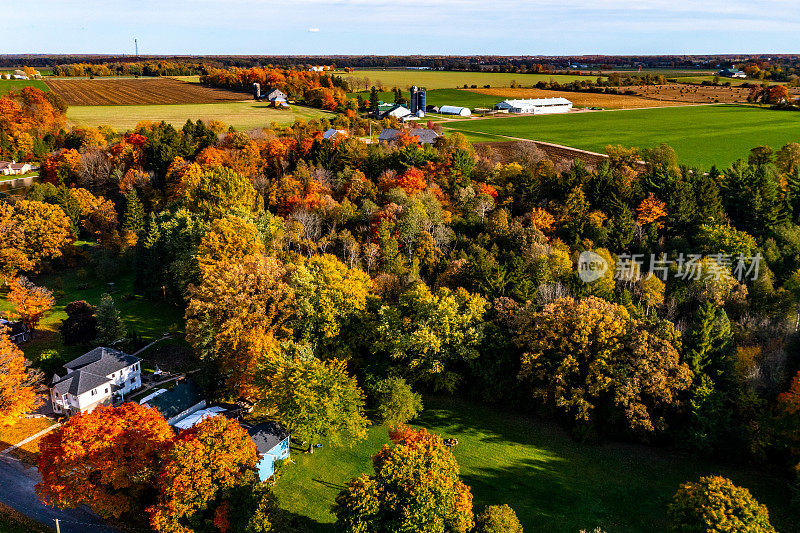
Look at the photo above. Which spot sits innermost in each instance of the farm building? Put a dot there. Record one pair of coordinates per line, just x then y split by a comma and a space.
272, 442
732, 73
535, 106
17, 331
176, 403
392, 110
334, 134
455, 110
423, 136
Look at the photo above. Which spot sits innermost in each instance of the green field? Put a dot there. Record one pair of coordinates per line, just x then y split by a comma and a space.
241, 115
701, 135
16, 85
553, 483
451, 80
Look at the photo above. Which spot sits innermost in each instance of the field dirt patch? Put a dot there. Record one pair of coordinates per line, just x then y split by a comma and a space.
606, 101
139, 92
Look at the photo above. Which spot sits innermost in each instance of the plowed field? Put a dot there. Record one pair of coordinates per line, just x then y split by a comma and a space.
139, 92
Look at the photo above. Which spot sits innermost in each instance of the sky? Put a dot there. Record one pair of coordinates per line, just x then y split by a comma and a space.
402, 27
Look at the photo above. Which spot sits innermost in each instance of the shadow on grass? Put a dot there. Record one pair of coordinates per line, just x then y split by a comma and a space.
303, 524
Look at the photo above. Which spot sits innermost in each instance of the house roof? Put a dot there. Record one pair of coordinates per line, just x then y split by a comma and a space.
422, 135
198, 416
274, 93
536, 102
102, 361
14, 328
332, 133
266, 435
176, 400
76, 383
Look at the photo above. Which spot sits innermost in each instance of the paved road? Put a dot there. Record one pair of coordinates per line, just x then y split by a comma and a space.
17, 481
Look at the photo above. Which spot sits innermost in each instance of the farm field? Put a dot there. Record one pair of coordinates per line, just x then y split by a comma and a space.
243, 115
701, 135
450, 80
16, 85
132, 91
554, 483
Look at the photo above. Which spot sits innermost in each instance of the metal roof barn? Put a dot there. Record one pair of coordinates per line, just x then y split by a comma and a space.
455, 110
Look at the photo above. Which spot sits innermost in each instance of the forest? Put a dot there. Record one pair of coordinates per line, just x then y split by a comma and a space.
326, 279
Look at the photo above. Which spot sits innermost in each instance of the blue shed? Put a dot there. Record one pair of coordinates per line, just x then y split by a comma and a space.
272, 442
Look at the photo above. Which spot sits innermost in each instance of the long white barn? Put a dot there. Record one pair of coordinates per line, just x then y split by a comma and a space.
535, 106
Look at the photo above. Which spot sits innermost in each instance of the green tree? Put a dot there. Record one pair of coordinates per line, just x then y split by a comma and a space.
110, 326
220, 190
134, 213
314, 399
710, 341
429, 334
397, 403
497, 519
714, 504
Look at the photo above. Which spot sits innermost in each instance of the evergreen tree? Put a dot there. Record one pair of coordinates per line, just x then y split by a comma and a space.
110, 327
134, 213
373, 98
709, 343
707, 197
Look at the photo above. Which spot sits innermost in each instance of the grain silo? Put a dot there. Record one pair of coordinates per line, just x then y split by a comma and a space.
413, 100
257, 91
421, 100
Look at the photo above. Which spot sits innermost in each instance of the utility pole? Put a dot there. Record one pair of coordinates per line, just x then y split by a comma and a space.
136, 44
58, 528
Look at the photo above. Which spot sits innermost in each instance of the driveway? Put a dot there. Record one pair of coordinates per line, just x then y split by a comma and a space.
17, 481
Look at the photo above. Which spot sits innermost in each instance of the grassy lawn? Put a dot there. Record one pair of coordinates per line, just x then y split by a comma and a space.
431, 79
701, 135
149, 319
243, 115
10, 435
553, 483
16, 85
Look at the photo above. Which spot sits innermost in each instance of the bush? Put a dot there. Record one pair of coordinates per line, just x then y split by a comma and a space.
497, 519
80, 326
714, 503
396, 402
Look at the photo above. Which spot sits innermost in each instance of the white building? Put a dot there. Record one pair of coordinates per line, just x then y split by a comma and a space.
455, 110
535, 106
98, 377
14, 169
334, 134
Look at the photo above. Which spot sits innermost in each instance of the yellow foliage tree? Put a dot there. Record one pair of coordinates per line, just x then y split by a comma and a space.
17, 395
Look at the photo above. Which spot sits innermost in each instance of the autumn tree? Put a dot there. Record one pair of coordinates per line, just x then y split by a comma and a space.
314, 399
31, 233
115, 474
218, 191
237, 315
428, 334
650, 210
330, 302
204, 464
584, 357
714, 503
229, 240
30, 302
17, 394
415, 487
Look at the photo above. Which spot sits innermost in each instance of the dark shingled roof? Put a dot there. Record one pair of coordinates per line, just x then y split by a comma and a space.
91, 370
266, 435
423, 135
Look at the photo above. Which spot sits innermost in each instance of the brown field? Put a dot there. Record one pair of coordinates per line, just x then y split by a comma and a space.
139, 92
606, 101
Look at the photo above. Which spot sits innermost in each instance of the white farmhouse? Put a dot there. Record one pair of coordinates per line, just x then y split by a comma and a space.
535, 106
98, 377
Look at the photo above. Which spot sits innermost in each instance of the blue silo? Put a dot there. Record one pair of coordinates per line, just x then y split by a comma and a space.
413, 100
421, 101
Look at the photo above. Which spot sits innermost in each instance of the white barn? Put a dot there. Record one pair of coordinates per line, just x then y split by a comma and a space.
535, 106
454, 110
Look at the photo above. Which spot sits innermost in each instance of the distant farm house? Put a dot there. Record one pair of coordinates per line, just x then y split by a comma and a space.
14, 169
732, 73
276, 97
333, 134
393, 110
535, 106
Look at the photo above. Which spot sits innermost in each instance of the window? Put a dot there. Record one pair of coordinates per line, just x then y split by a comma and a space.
106, 390
94, 392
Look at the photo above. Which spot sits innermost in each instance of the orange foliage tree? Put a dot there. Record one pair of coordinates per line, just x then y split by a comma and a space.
416, 487
17, 395
411, 181
204, 462
30, 233
107, 459
650, 210
61, 168
30, 302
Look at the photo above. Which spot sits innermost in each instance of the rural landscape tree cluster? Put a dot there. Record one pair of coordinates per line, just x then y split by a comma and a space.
333, 281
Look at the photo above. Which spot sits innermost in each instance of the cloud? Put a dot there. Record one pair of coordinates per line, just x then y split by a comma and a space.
313, 30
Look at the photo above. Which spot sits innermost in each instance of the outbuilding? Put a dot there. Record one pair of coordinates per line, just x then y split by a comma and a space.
455, 110
535, 106
272, 442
